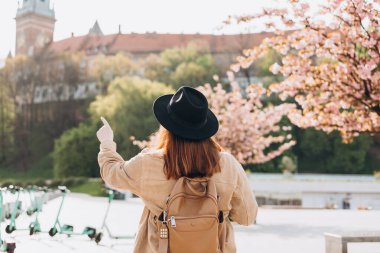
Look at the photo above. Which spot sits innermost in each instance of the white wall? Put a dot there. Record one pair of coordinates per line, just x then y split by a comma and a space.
319, 200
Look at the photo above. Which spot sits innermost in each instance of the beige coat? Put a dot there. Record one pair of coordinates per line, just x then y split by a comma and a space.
143, 175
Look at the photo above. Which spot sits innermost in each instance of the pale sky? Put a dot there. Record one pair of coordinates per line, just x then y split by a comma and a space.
164, 16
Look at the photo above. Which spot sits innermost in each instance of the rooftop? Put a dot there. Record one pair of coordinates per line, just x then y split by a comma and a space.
135, 43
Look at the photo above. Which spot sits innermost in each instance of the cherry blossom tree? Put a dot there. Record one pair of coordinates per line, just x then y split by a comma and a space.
248, 128
330, 62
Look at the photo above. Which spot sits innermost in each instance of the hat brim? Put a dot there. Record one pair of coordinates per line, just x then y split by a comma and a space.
186, 132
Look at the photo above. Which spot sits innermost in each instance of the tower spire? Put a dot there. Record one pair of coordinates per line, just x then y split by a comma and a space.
95, 30
37, 7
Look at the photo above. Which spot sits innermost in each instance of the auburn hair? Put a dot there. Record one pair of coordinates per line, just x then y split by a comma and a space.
188, 157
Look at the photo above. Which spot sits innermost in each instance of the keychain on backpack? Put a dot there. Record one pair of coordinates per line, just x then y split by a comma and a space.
164, 228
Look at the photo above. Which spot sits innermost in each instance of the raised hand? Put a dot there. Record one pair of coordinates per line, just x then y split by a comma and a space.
105, 133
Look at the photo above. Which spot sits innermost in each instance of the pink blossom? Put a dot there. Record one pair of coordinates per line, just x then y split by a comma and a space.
365, 70
275, 68
329, 65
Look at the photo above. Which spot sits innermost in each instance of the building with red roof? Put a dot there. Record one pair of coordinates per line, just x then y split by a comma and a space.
35, 21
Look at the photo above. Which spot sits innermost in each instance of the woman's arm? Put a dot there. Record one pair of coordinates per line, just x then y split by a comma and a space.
116, 172
243, 202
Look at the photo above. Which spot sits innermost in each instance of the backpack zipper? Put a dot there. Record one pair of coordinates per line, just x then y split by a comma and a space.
172, 222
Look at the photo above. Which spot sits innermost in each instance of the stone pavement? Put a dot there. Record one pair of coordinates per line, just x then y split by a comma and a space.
286, 231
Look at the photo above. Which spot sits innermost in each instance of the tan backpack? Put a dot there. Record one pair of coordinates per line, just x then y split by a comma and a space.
190, 222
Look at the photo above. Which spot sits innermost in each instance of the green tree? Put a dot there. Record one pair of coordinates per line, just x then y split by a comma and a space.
106, 68
192, 65
261, 68
128, 108
262, 65
7, 114
350, 158
75, 152
19, 79
319, 152
41, 89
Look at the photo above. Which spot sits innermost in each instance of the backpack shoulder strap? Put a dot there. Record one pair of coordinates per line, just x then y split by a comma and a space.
163, 245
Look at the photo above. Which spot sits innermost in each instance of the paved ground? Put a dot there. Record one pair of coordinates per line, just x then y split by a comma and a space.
293, 231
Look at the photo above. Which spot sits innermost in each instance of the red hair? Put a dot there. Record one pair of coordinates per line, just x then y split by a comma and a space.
187, 157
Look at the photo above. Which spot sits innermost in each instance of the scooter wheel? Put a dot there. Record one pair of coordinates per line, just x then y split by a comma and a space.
98, 237
31, 231
29, 212
11, 247
52, 232
9, 229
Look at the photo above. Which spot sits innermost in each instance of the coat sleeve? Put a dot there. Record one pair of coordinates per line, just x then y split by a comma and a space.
243, 203
116, 172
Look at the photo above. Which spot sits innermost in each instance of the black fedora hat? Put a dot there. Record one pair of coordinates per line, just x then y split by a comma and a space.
186, 114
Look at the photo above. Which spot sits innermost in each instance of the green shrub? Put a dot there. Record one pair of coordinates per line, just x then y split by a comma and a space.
91, 187
73, 181
75, 153
39, 182
8, 182
54, 183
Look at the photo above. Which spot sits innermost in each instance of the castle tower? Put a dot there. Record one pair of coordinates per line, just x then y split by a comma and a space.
34, 26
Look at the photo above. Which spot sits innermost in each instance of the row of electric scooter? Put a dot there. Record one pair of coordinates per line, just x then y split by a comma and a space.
38, 196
